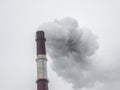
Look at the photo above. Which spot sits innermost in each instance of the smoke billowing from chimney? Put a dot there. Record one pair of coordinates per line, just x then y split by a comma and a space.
71, 49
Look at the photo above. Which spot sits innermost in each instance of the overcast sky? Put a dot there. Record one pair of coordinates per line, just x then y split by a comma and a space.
19, 20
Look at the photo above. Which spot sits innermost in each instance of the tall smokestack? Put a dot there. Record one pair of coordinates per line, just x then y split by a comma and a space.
42, 81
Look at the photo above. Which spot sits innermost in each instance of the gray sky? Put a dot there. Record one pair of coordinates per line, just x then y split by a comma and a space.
19, 20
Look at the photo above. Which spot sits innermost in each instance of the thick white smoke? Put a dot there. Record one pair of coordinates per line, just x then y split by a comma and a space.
71, 49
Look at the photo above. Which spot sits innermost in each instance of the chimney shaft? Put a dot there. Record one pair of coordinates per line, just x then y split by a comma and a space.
40, 38
42, 82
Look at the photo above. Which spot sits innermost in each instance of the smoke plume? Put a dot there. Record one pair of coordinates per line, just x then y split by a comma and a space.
71, 49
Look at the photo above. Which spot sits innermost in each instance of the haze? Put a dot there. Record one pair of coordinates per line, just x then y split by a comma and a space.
19, 20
